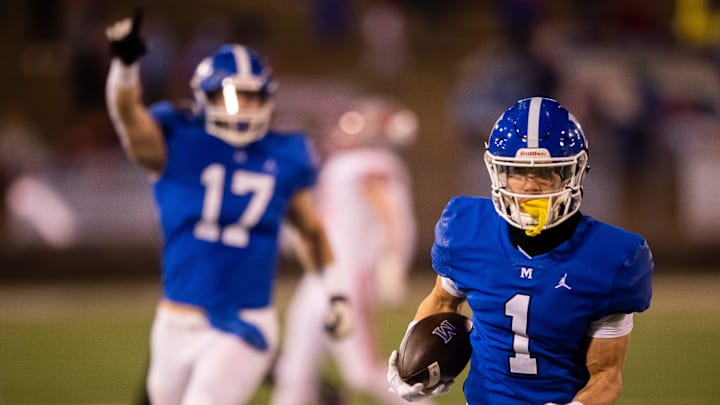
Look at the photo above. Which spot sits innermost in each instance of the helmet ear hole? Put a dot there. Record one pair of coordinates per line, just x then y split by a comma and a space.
214, 95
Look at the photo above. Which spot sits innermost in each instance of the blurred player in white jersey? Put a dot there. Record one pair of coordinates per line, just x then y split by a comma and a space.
364, 195
223, 182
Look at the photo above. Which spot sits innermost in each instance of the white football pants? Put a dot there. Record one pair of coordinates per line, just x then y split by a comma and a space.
192, 363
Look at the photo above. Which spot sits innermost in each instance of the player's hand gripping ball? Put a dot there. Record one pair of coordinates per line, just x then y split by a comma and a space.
435, 350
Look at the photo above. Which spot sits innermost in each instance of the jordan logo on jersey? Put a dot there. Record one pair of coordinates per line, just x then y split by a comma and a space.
562, 283
526, 272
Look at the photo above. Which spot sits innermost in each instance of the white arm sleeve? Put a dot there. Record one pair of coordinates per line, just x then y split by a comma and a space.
611, 326
451, 288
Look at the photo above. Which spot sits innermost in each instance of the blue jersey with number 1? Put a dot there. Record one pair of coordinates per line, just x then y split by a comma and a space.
531, 315
220, 209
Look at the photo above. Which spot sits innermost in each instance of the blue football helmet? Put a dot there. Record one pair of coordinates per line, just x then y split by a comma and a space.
232, 69
537, 139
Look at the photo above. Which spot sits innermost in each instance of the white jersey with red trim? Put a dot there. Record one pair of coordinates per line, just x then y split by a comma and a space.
355, 230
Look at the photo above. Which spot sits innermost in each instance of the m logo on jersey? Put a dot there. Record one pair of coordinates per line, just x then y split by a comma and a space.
526, 272
445, 331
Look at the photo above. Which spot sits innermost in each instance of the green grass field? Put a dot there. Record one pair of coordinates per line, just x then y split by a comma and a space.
87, 343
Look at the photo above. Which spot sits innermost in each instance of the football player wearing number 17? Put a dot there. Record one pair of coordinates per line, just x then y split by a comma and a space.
222, 182
552, 291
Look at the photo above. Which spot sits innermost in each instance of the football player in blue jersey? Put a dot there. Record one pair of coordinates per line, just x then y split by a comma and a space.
223, 182
552, 291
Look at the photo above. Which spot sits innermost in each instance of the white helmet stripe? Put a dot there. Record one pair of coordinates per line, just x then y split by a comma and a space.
533, 128
242, 61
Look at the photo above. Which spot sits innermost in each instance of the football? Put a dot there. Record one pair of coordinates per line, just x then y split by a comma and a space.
436, 349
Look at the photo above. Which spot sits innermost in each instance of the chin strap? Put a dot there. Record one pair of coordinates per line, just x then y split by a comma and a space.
538, 210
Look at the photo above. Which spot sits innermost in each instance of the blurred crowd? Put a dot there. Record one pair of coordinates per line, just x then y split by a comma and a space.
642, 77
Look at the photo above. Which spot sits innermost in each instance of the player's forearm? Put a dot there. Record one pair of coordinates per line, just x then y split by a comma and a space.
140, 136
602, 389
605, 358
438, 300
123, 96
302, 215
320, 254
317, 252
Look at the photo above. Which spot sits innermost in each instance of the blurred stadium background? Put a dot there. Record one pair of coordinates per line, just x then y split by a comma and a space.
79, 253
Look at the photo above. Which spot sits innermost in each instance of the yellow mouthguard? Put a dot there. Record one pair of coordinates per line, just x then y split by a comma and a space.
538, 210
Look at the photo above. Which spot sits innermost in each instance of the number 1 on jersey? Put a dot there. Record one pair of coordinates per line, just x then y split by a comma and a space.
243, 182
517, 308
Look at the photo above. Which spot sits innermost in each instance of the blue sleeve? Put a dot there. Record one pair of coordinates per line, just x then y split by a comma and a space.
440, 252
308, 171
164, 113
632, 287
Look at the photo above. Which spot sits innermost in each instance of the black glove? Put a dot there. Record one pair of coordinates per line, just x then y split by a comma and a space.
338, 318
125, 40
